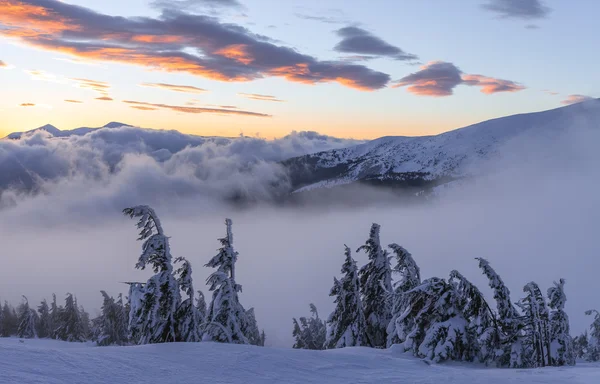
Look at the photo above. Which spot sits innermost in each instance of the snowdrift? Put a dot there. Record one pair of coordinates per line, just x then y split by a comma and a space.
53, 362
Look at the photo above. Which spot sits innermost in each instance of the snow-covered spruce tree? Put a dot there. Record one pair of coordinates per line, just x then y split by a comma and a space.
201, 308
154, 310
86, 322
536, 343
70, 326
560, 337
226, 316
44, 328
263, 338
507, 343
110, 328
481, 327
55, 311
409, 278
346, 325
310, 333
251, 328
593, 352
376, 286
441, 332
28, 319
581, 345
187, 320
10, 321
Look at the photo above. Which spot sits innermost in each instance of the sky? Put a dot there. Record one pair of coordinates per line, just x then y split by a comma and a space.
266, 67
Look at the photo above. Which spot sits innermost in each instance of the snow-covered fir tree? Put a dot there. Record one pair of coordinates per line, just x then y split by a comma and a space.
55, 311
10, 321
536, 342
226, 316
70, 326
593, 352
263, 338
409, 278
376, 286
201, 308
560, 337
506, 339
188, 319
27, 321
44, 328
86, 322
154, 307
110, 328
581, 346
251, 328
346, 325
310, 333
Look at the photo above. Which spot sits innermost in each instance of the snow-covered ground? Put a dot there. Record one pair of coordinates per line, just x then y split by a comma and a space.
52, 362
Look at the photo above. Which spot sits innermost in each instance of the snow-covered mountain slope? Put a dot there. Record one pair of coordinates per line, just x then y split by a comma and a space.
55, 362
52, 130
428, 161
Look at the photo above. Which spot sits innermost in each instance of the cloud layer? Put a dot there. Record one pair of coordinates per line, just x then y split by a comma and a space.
122, 164
175, 87
176, 41
439, 78
359, 41
257, 96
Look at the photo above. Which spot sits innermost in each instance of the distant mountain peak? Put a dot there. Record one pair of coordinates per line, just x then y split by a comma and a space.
116, 124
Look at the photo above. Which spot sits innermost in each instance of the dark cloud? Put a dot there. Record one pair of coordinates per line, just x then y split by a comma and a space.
196, 5
175, 87
256, 96
359, 41
184, 109
175, 41
439, 78
573, 99
532, 26
519, 9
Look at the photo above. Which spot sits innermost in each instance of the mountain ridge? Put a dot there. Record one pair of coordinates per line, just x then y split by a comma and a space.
56, 132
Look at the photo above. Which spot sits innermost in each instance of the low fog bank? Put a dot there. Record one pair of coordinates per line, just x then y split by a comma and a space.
534, 216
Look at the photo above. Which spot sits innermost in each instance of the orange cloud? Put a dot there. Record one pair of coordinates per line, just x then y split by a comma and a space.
142, 108
3, 64
104, 98
490, 85
184, 109
73, 101
574, 99
27, 105
256, 96
175, 87
174, 42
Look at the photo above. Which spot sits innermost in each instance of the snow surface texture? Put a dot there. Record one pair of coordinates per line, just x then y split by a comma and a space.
54, 362
453, 154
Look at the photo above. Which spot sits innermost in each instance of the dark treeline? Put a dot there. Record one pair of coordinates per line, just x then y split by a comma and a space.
440, 319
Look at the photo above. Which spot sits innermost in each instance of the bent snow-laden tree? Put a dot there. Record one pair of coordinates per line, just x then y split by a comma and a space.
309, 333
536, 343
592, 353
347, 324
28, 319
376, 286
409, 278
44, 328
251, 329
560, 338
507, 338
70, 326
226, 316
188, 319
154, 304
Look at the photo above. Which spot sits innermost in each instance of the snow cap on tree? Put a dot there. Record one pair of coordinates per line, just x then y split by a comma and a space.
27, 321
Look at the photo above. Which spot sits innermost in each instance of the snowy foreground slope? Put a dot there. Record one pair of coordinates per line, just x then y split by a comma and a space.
49, 362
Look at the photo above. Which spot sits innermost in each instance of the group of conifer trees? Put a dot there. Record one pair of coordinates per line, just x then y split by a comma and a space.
69, 322
444, 319
166, 308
